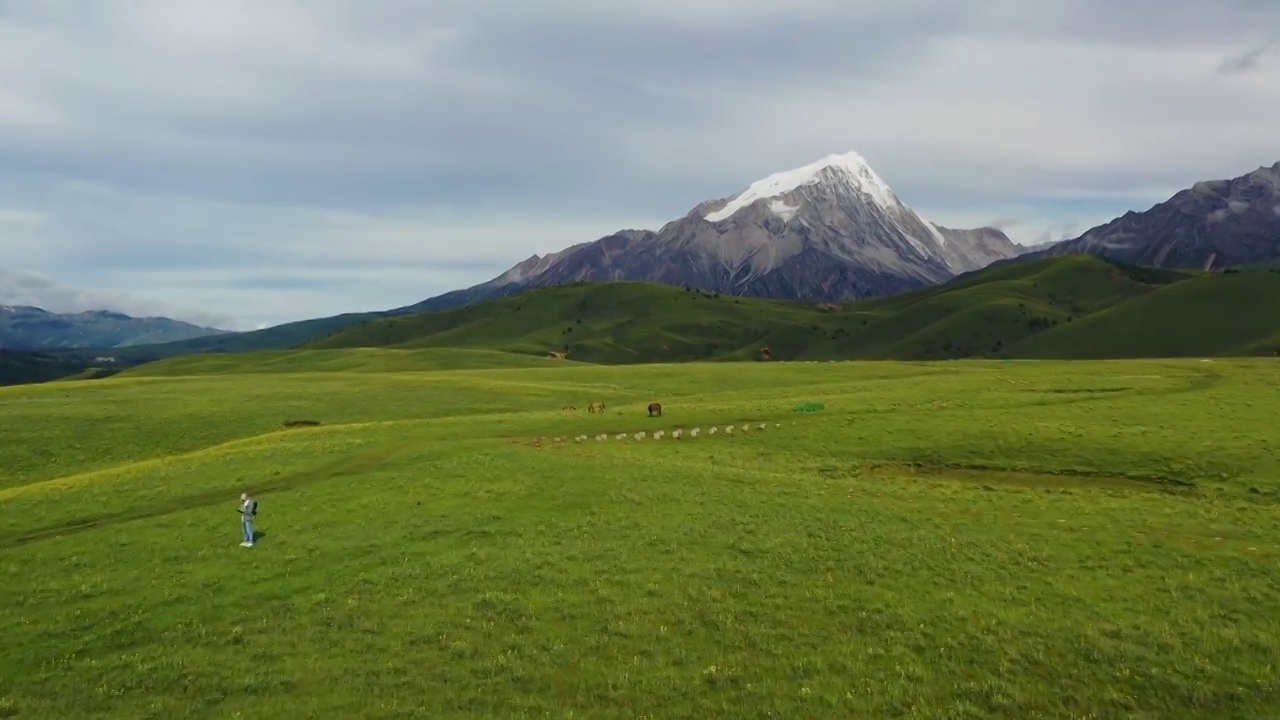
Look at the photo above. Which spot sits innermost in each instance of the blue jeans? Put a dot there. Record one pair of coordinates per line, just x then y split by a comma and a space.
246, 526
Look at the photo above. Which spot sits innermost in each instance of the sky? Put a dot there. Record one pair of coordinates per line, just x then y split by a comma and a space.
240, 163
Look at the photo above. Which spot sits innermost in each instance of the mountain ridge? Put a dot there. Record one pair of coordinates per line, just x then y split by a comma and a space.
1212, 225
1076, 306
1214, 197
25, 327
831, 230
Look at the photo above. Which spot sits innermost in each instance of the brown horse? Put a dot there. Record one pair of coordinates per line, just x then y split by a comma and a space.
596, 407
655, 409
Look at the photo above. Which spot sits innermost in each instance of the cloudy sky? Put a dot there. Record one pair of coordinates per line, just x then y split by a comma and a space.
242, 162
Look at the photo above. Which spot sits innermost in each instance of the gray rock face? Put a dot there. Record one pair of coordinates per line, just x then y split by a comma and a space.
979, 248
829, 231
1213, 224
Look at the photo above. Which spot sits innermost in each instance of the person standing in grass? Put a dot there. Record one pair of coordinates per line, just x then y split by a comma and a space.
248, 509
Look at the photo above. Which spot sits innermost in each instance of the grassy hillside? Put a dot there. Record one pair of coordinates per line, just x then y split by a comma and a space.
1009, 311
1230, 314
1067, 307
996, 540
280, 337
18, 367
364, 360
596, 322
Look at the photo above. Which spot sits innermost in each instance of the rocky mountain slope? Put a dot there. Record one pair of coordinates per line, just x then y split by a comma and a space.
1212, 225
30, 328
832, 230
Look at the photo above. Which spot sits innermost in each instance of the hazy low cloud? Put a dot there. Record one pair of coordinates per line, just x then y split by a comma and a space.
29, 288
279, 159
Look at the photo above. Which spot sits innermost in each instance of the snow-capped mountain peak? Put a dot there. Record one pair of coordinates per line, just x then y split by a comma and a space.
844, 172
829, 231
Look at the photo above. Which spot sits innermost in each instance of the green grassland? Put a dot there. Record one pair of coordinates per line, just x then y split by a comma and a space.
1074, 307
954, 540
1070, 308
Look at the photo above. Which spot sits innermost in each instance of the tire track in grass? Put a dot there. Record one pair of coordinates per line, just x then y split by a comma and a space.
248, 442
346, 466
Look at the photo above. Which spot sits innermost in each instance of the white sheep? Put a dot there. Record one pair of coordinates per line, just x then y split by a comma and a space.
694, 432
658, 435
762, 426
728, 429
676, 434
622, 436
746, 427
640, 435
712, 431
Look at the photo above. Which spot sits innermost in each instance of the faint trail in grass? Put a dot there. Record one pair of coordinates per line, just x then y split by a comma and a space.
1200, 382
245, 443
349, 465
1058, 479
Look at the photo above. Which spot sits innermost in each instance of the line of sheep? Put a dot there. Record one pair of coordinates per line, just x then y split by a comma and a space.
677, 434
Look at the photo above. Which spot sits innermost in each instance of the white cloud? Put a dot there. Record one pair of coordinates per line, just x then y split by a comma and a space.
280, 159
276, 264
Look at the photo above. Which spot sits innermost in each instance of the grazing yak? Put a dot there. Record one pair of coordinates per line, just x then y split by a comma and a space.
655, 409
596, 407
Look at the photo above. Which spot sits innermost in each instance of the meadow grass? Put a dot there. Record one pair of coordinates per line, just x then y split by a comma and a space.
945, 540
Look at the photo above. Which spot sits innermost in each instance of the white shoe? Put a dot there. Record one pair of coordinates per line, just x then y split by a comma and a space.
246, 544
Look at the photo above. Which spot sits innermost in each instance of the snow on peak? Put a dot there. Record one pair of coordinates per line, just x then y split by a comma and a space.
850, 166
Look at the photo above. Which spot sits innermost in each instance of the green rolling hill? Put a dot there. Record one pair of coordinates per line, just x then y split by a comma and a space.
18, 367
1068, 307
355, 360
279, 337
1231, 314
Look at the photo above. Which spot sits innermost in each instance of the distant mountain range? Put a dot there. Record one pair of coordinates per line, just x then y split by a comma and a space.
831, 231
30, 328
1062, 307
828, 232
1076, 306
1214, 224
